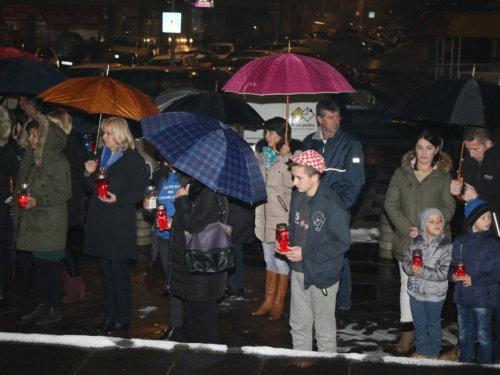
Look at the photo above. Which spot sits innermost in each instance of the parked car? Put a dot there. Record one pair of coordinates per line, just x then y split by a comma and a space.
91, 70
221, 49
48, 56
180, 59
131, 50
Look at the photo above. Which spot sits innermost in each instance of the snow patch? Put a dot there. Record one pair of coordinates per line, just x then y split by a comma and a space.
277, 352
147, 309
73, 340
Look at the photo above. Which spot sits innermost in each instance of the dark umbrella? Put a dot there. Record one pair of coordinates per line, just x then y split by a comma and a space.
209, 151
452, 101
70, 35
226, 109
25, 76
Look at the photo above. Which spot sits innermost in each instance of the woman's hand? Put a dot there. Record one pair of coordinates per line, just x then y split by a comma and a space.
182, 191
110, 198
169, 221
416, 270
90, 167
466, 280
285, 150
414, 232
30, 203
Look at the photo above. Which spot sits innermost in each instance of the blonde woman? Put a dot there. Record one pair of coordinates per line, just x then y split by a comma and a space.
76, 153
111, 233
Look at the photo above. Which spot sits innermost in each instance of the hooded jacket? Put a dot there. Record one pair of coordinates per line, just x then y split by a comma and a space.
279, 186
328, 237
432, 284
46, 170
481, 251
344, 153
406, 198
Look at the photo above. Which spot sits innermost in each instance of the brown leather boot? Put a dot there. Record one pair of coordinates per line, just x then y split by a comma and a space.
267, 304
76, 290
452, 355
407, 338
279, 301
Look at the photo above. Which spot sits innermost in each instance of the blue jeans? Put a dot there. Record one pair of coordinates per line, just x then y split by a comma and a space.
235, 276
474, 322
344, 301
496, 326
427, 323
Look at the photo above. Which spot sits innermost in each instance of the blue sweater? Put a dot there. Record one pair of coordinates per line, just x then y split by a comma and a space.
481, 251
328, 237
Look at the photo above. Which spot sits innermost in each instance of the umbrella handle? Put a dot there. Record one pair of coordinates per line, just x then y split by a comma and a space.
458, 196
275, 149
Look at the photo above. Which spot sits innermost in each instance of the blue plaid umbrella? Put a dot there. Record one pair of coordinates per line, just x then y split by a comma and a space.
208, 151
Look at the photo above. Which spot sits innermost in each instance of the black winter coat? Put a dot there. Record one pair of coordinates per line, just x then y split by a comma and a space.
242, 219
77, 155
192, 214
111, 230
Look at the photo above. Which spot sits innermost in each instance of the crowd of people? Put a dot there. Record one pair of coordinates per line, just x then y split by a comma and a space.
312, 187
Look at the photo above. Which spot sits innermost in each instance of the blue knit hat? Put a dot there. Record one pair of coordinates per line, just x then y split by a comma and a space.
474, 209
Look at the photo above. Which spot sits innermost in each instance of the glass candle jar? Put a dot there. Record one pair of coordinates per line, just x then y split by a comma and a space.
150, 196
417, 258
102, 183
161, 217
283, 237
23, 194
460, 268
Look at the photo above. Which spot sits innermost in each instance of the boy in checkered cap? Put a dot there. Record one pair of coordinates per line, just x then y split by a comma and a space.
319, 237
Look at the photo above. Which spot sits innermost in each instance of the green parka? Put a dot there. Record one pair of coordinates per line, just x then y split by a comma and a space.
407, 197
46, 170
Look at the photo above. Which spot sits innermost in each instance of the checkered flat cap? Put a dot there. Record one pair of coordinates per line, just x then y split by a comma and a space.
312, 158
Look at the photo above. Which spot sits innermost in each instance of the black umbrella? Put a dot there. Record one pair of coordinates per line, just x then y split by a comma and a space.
225, 108
452, 101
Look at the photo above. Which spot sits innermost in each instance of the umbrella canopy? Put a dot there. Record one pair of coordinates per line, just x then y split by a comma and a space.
26, 76
209, 151
223, 107
14, 52
102, 95
287, 74
170, 95
452, 101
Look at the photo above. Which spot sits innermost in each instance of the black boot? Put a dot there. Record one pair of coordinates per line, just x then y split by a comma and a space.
52, 315
3, 296
40, 310
343, 318
117, 329
104, 327
173, 334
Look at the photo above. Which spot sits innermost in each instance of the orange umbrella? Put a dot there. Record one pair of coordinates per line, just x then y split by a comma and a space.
102, 95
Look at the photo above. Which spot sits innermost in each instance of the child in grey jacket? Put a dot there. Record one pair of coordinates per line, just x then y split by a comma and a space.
427, 282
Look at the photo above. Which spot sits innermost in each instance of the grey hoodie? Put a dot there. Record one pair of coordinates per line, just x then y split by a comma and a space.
432, 283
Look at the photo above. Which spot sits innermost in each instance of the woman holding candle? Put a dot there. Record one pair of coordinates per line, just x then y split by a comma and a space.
422, 181
111, 233
426, 263
279, 184
42, 224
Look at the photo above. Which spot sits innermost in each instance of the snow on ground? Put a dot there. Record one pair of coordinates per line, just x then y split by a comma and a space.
363, 235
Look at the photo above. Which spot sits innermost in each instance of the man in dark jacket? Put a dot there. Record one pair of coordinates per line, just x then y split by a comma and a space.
319, 237
345, 176
481, 179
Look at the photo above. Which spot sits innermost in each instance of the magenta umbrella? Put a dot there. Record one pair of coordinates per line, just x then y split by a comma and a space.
287, 74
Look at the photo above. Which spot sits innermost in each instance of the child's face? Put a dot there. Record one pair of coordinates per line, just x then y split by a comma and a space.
434, 225
483, 223
303, 182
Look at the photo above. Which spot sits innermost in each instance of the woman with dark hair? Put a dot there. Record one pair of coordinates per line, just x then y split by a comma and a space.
422, 181
279, 184
42, 225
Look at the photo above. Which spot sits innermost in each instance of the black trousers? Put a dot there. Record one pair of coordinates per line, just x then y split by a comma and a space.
5, 264
117, 290
202, 321
49, 282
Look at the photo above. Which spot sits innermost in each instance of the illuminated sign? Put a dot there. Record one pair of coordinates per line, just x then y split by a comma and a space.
204, 4
171, 22
371, 14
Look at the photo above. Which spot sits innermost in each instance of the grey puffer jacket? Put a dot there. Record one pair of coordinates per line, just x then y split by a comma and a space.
432, 283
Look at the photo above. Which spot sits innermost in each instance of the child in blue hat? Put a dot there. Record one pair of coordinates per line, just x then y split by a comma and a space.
475, 293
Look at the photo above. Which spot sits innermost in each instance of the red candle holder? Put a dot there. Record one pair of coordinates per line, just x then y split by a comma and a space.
161, 217
283, 237
417, 258
102, 183
23, 194
22, 200
460, 268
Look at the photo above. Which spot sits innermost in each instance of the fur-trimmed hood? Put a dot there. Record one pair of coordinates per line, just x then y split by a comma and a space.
5, 126
51, 139
444, 164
